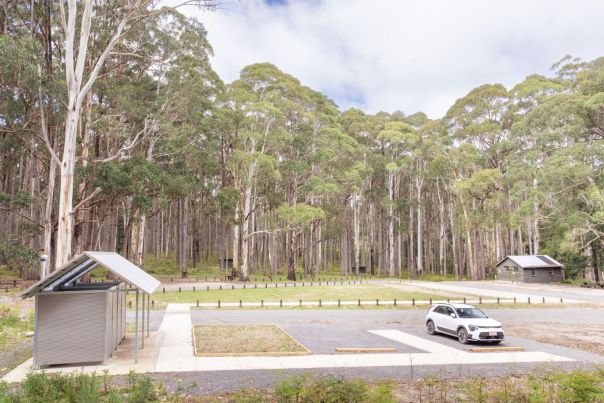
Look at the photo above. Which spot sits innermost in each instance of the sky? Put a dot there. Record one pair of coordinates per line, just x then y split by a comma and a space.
407, 55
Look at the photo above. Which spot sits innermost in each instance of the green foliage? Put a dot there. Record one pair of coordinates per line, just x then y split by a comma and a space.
300, 215
17, 256
328, 390
82, 387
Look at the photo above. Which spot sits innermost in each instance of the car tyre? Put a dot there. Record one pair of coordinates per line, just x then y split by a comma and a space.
430, 327
462, 336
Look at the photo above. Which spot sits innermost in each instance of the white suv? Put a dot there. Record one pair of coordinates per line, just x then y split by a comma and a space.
464, 321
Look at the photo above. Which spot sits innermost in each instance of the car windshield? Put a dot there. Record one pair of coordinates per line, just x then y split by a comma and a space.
470, 313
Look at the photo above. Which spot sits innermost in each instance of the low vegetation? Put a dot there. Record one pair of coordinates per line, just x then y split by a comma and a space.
81, 387
226, 340
549, 385
13, 328
290, 293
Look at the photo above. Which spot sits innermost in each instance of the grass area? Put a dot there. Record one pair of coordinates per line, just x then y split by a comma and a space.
307, 293
545, 384
230, 340
12, 328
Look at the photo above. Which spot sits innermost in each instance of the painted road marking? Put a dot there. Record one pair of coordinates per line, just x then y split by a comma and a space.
414, 341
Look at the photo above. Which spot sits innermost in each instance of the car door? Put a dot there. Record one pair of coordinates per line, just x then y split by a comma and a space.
448, 322
439, 317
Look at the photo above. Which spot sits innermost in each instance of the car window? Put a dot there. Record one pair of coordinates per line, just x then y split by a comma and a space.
449, 310
471, 313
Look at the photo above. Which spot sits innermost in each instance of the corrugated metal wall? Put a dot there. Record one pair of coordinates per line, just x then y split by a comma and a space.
70, 328
79, 326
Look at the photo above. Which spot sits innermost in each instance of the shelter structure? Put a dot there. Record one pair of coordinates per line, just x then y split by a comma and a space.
80, 322
530, 269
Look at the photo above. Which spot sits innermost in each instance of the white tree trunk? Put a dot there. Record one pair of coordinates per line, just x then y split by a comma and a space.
357, 233
391, 224
245, 225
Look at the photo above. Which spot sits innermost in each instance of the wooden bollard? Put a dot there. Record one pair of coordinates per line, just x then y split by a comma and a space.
179, 289
480, 300
413, 301
240, 304
193, 288
197, 303
208, 288
320, 303
543, 300
359, 302
377, 302
529, 300
430, 301
218, 303
395, 302
281, 303
464, 300
338, 302
221, 288
497, 299
300, 302
233, 287
514, 300
262, 303
153, 304
164, 290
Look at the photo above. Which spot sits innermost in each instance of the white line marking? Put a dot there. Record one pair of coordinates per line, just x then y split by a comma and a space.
414, 341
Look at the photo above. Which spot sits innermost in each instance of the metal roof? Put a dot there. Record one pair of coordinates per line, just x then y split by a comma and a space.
85, 262
536, 261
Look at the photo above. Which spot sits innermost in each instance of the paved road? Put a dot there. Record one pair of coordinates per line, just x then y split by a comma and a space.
566, 292
323, 330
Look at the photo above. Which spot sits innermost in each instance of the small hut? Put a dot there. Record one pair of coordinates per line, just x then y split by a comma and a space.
77, 322
530, 269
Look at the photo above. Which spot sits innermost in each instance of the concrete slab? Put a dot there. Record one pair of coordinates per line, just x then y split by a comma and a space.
122, 361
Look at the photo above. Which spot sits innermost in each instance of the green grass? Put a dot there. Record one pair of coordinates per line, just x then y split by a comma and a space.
13, 328
290, 293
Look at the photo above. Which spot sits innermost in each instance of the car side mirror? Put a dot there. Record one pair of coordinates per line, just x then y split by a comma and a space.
452, 315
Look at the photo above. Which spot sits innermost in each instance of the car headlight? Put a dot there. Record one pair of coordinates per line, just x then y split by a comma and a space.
473, 328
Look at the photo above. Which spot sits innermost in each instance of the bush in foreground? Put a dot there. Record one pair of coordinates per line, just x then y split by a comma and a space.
547, 385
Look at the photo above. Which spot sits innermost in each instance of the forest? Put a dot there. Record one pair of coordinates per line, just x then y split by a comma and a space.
116, 134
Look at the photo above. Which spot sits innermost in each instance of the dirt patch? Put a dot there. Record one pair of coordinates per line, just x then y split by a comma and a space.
584, 337
233, 340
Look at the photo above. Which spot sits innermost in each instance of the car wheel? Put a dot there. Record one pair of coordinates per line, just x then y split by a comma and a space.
430, 327
462, 336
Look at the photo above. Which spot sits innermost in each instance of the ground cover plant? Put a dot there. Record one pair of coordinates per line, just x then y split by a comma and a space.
290, 293
213, 340
541, 385
13, 328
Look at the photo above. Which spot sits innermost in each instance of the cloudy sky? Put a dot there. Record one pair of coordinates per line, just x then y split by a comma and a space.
402, 54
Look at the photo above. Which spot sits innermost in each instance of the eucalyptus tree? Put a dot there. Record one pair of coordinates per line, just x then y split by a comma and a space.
80, 26
397, 139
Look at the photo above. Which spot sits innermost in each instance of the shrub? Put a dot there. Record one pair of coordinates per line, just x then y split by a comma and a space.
303, 389
581, 386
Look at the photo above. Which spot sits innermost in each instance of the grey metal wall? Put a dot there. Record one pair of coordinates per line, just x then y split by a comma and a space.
78, 326
542, 276
70, 327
